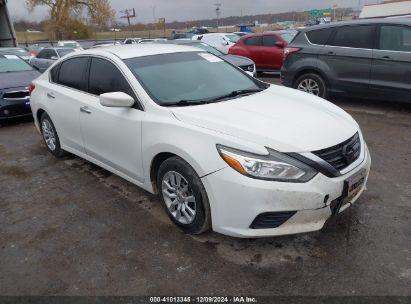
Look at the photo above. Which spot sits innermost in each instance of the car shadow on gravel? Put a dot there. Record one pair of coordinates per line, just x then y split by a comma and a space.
269, 252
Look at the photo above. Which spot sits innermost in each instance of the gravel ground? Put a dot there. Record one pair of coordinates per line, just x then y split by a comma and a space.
71, 228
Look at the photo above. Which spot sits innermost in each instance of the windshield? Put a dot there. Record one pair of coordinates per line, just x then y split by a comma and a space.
15, 51
288, 37
63, 52
208, 48
232, 37
12, 63
188, 77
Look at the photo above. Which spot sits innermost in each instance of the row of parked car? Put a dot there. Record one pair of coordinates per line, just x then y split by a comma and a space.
363, 58
369, 58
19, 66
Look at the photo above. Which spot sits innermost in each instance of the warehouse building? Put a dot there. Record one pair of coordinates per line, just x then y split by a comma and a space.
393, 8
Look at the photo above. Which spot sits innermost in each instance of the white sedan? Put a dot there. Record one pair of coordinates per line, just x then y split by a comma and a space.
222, 149
220, 41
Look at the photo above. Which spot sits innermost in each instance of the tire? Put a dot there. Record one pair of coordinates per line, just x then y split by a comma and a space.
183, 196
50, 136
313, 84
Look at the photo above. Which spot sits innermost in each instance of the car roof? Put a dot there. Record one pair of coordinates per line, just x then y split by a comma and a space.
139, 50
215, 34
182, 41
403, 21
12, 48
56, 48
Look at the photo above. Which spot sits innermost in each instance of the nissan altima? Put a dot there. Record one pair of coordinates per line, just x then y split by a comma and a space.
222, 149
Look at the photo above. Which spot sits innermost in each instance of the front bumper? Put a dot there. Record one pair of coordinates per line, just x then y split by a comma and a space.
237, 200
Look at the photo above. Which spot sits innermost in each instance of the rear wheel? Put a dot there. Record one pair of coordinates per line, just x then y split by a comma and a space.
50, 136
183, 196
313, 84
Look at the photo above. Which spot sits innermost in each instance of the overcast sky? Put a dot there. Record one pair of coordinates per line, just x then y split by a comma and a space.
185, 10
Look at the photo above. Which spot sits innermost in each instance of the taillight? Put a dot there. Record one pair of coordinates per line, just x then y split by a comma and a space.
31, 88
290, 50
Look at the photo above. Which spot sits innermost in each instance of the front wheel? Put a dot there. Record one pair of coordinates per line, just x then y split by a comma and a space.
183, 196
313, 84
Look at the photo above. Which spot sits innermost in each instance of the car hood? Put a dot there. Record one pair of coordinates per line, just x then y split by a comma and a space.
237, 60
17, 79
279, 118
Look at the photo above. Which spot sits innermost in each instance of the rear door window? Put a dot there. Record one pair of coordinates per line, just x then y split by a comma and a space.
72, 73
105, 78
54, 74
319, 37
270, 40
255, 41
356, 36
395, 38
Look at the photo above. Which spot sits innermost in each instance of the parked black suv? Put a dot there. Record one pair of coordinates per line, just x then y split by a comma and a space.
363, 58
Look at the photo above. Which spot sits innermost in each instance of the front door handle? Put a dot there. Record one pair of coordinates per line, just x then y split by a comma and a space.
51, 95
385, 57
85, 109
330, 53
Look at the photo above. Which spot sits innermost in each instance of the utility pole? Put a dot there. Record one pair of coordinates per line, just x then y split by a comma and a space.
218, 12
359, 8
154, 17
334, 8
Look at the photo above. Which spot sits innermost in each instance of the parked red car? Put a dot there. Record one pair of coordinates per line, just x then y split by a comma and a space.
266, 49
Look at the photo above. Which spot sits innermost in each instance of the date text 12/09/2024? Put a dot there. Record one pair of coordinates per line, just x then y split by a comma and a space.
234, 299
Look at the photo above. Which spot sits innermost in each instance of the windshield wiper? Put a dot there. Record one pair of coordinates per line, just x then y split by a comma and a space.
185, 102
194, 102
236, 93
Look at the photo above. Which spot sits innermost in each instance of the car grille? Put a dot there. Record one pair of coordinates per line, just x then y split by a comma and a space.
342, 155
16, 95
248, 68
271, 219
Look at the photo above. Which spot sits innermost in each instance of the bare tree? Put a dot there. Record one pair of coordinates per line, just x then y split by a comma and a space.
62, 11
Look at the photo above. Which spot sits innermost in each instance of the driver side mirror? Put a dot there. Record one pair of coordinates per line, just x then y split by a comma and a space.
280, 44
116, 100
225, 43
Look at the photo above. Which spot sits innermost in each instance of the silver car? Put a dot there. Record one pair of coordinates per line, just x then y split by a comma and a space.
47, 56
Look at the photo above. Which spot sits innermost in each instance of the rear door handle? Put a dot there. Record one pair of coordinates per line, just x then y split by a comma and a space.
385, 57
330, 53
85, 109
51, 95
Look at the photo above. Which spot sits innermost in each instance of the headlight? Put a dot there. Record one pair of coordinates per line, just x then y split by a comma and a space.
275, 166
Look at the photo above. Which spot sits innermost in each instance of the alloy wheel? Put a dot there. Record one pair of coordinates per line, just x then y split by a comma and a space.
310, 86
48, 134
179, 197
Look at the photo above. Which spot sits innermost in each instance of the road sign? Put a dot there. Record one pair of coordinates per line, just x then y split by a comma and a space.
320, 13
161, 20
314, 13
